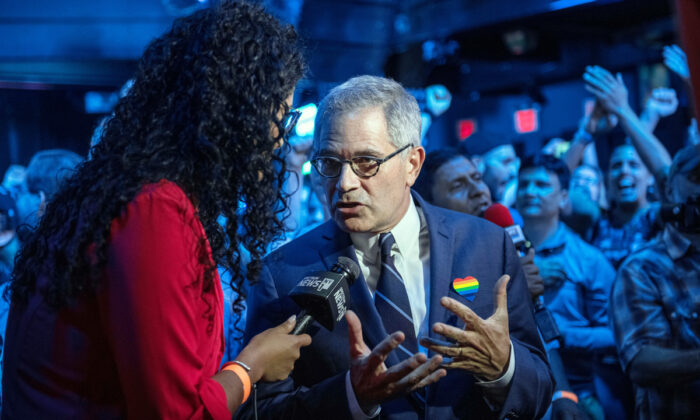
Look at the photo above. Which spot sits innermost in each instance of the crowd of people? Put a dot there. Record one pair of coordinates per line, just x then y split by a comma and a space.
151, 278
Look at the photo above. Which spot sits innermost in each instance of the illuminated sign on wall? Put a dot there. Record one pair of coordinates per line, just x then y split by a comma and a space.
465, 128
526, 120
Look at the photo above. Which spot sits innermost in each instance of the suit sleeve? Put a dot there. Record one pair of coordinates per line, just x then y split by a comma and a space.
532, 385
152, 314
285, 399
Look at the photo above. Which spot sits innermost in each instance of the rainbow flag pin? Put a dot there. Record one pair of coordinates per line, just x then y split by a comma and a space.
466, 287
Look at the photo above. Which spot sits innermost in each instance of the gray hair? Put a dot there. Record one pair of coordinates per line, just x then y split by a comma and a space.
400, 107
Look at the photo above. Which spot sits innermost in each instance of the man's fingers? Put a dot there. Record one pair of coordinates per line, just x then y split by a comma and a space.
358, 348
597, 81
450, 332
462, 311
602, 87
431, 379
502, 296
396, 372
414, 378
594, 90
604, 74
601, 75
382, 350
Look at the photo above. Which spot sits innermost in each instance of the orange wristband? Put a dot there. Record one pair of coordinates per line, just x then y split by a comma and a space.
565, 394
242, 376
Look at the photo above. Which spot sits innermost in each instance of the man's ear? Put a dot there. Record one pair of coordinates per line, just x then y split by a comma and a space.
414, 163
564, 200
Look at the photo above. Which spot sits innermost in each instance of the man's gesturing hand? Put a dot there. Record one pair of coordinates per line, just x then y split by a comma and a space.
372, 382
483, 346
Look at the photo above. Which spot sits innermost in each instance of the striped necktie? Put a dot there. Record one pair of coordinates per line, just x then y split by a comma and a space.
391, 299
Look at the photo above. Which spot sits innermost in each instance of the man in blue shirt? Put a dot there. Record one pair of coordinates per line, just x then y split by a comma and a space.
656, 302
577, 276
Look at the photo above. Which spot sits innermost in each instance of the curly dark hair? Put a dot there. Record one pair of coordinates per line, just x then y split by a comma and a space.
201, 113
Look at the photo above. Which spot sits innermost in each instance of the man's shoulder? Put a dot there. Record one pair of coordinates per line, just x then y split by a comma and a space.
460, 222
303, 247
654, 253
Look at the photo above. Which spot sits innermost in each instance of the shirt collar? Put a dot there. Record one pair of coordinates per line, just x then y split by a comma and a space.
676, 244
406, 234
557, 240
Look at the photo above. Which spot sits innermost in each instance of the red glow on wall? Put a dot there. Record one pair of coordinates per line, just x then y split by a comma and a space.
526, 120
465, 128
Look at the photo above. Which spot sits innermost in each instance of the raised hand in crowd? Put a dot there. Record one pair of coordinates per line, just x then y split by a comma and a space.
610, 90
612, 94
676, 61
661, 103
372, 382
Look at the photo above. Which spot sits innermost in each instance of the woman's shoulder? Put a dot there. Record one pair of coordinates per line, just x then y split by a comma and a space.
159, 202
164, 193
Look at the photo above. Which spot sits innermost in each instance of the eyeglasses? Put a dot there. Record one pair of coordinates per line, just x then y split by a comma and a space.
363, 166
289, 121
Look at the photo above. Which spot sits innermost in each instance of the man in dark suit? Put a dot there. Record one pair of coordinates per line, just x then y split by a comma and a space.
431, 333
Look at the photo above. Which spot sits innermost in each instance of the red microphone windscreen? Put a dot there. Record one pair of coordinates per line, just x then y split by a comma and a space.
499, 214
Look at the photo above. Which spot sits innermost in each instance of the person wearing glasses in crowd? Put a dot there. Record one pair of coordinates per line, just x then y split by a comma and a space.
432, 333
116, 304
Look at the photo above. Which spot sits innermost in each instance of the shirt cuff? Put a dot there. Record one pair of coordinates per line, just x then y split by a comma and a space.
355, 410
504, 380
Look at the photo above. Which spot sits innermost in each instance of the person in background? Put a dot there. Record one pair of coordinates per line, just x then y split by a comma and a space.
116, 305
450, 180
15, 180
577, 277
495, 157
9, 245
587, 199
654, 304
46, 171
631, 221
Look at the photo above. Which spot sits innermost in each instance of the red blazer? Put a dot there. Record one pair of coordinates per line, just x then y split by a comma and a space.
145, 346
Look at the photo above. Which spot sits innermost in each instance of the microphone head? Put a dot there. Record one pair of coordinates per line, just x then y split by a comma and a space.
351, 267
325, 295
499, 215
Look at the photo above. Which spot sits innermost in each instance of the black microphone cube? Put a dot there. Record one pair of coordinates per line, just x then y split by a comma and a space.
324, 295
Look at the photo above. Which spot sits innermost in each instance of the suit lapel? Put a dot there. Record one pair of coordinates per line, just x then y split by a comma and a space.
339, 244
441, 255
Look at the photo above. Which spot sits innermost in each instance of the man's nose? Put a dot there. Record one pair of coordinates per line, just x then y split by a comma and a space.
348, 179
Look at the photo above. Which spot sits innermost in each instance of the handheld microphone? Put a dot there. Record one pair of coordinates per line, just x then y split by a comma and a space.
323, 295
500, 215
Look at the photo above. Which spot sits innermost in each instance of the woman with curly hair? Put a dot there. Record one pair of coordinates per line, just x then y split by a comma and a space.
116, 303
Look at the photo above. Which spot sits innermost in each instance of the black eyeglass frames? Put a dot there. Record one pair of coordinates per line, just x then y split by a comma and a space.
289, 121
363, 166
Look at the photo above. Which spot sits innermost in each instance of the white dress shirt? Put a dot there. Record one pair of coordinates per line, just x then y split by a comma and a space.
412, 261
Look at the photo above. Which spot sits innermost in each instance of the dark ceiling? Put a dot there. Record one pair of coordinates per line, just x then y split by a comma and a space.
96, 43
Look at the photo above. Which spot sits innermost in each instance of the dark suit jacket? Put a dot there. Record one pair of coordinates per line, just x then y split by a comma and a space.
460, 245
